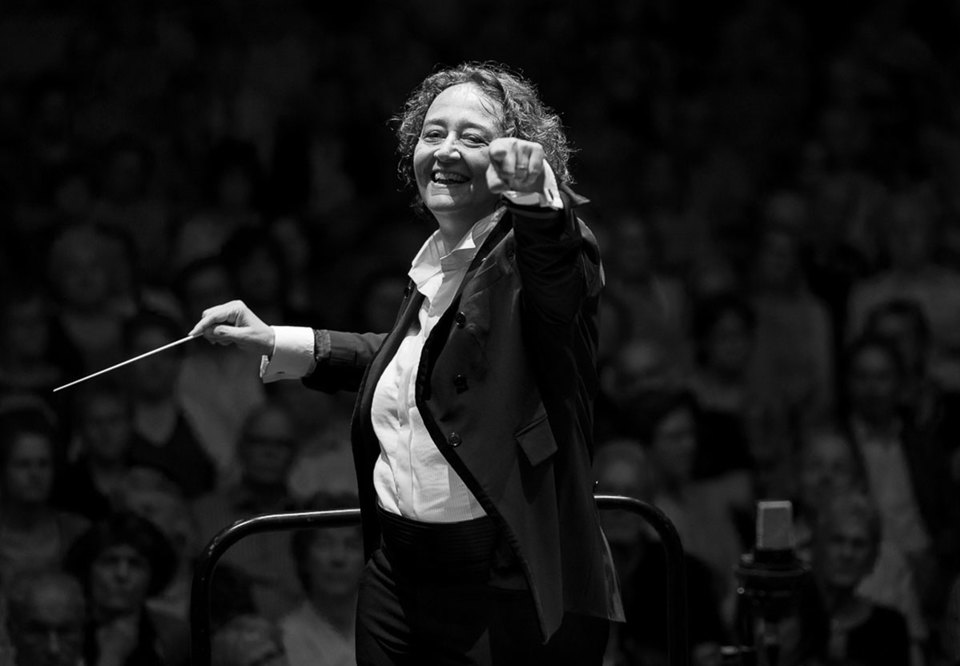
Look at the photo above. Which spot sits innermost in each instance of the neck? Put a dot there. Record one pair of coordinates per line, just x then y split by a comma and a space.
452, 231
340, 612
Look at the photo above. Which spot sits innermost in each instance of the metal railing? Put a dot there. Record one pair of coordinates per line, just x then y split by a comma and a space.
200, 602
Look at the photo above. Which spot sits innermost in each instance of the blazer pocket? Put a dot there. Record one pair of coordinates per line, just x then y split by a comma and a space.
536, 440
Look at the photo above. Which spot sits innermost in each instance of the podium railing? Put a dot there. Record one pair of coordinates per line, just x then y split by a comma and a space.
200, 600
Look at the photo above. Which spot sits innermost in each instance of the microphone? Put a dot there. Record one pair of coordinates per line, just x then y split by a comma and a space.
769, 579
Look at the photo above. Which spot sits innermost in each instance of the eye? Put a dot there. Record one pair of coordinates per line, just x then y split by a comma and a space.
474, 140
431, 135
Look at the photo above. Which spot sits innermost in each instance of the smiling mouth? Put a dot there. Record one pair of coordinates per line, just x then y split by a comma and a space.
448, 178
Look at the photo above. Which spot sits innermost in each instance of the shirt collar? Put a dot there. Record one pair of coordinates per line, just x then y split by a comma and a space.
430, 260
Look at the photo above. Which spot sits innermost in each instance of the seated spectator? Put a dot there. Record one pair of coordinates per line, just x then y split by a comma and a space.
741, 423
622, 468
150, 493
216, 415
87, 326
46, 616
26, 365
836, 624
905, 469
248, 640
826, 468
265, 452
706, 513
907, 234
931, 407
122, 561
329, 562
166, 438
105, 428
793, 355
33, 534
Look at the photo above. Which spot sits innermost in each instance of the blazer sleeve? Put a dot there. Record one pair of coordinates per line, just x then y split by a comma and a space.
558, 260
344, 367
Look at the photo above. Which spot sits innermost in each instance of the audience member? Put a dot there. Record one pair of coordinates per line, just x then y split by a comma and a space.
836, 624
793, 354
329, 562
705, 513
87, 326
46, 616
931, 408
740, 424
121, 562
26, 364
265, 453
826, 469
105, 429
905, 469
248, 640
33, 534
166, 438
907, 234
216, 415
622, 468
655, 303
150, 493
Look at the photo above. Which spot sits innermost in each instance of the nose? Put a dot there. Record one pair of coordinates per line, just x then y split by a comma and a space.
447, 150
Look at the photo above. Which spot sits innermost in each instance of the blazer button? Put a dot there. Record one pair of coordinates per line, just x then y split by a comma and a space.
460, 320
460, 383
454, 439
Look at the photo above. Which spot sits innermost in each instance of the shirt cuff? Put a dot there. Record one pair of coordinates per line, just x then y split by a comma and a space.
292, 356
549, 197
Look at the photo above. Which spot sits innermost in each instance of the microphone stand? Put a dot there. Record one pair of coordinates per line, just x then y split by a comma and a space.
768, 592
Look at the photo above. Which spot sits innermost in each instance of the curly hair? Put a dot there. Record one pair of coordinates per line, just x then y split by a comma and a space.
524, 115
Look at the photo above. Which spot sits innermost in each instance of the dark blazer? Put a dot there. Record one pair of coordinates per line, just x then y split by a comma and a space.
505, 385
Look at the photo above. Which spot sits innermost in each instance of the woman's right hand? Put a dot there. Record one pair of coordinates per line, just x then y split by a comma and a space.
234, 323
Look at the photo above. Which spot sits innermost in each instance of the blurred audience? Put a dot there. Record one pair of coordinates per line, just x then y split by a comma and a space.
265, 453
166, 438
248, 640
122, 561
34, 535
46, 618
329, 562
836, 624
216, 416
904, 468
705, 513
623, 468
104, 425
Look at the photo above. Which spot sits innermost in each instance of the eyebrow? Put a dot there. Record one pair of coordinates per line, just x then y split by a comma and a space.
467, 124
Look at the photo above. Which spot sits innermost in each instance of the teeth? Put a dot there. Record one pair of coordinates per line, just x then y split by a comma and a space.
444, 177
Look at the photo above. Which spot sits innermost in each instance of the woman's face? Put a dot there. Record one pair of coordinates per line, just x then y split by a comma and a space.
335, 562
873, 385
119, 579
729, 344
451, 158
28, 476
827, 466
844, 552
674, 444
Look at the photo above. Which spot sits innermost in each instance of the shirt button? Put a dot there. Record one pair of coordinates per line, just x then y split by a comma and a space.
460, 320
460, 383
454, 439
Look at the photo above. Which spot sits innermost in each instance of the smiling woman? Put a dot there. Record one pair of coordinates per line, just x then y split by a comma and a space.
469, 449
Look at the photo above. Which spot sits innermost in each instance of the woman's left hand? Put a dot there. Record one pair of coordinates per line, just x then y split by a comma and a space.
515, 165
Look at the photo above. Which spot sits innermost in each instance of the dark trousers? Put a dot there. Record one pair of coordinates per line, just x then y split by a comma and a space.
414, 609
